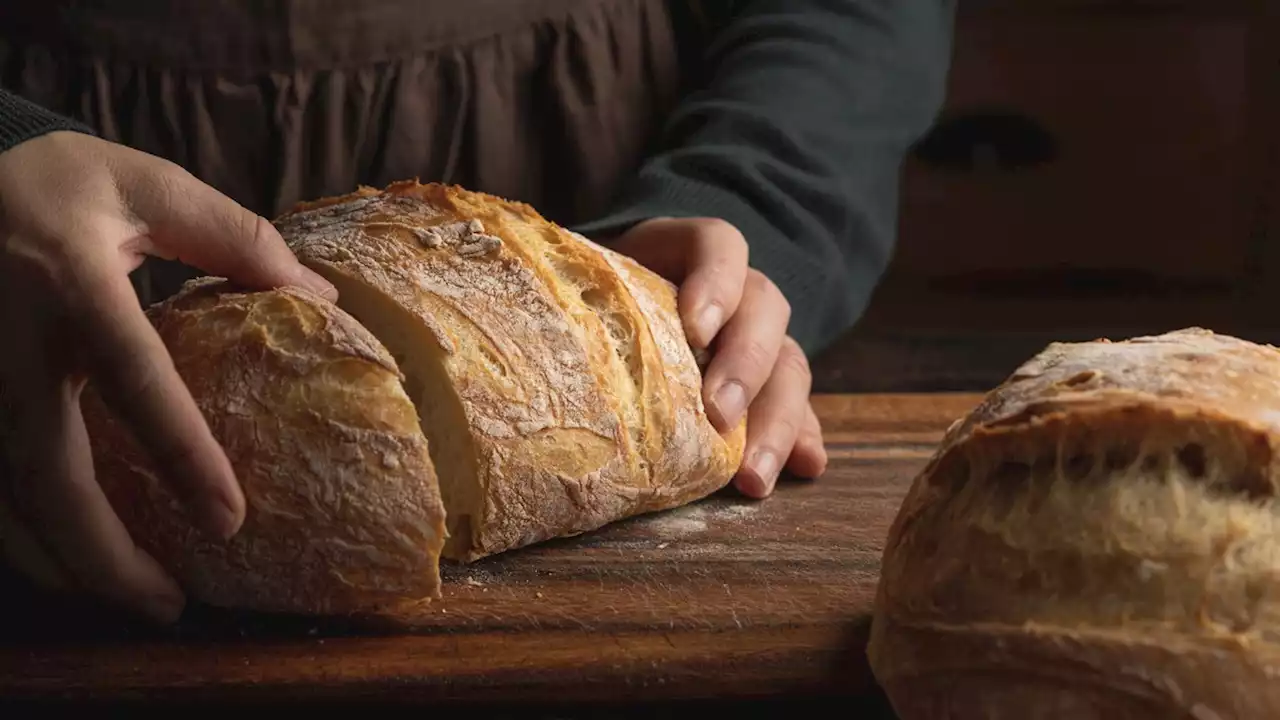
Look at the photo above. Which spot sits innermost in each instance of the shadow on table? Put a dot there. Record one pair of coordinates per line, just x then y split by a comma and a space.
50, 620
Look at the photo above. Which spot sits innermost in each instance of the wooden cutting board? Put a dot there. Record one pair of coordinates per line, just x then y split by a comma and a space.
726, 598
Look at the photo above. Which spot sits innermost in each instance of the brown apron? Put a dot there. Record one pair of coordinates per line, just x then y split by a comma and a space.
552, 102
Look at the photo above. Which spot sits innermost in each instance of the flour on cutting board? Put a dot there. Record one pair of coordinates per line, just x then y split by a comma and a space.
692, 519
477, 578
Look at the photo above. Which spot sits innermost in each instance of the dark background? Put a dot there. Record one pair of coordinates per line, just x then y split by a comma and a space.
1102, 168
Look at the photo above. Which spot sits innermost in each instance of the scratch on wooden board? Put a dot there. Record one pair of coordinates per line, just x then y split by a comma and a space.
732, 610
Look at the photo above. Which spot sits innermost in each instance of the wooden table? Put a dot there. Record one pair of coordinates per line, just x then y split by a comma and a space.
727, 599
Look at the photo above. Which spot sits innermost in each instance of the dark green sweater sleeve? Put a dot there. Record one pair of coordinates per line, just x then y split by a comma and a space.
796, 135
21, 120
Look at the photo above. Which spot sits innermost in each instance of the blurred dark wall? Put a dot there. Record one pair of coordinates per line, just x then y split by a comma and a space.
1102, 168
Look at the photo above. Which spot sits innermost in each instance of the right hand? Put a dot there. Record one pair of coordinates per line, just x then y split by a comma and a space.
77, 215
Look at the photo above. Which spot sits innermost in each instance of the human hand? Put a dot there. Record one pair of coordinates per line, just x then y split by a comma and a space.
756, 369
77, 215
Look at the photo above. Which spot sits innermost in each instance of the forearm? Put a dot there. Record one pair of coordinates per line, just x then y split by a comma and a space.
797, 138
21, 120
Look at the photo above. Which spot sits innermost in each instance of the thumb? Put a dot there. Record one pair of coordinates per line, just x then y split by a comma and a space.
207, 230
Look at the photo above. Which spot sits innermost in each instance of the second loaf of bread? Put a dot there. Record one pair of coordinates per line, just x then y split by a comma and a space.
1096, 539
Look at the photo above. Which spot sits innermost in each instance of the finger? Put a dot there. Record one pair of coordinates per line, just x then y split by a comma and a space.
746, 350
712, 290
55, 492
26, 554
131, 368
775, 421
203, 228
707, 257
809, 456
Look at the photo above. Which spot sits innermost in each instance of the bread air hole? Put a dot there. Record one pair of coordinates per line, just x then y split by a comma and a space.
1188, 462
1251, 483
1192, 458
622, 338
1120, 457
1012, 473
1081, 379
427, 383
621, 333
1029, 483
1078, 467
492, 362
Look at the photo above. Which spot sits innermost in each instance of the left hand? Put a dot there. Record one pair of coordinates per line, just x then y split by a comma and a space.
756, 369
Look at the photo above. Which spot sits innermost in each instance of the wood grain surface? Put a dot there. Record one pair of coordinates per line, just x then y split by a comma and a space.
726, 598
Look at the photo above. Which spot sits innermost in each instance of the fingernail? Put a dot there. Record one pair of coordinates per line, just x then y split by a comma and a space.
166, 607
708, 323
730, 402
221, 520
765, 466
314, 282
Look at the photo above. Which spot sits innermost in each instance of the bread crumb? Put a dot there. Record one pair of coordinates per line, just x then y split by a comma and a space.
429, 237
479, 245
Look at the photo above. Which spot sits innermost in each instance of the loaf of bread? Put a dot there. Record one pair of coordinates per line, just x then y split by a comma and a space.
1097, 539
552, 376
487, 380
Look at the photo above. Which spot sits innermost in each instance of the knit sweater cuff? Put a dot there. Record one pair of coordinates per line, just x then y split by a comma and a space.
22, 120
822, 295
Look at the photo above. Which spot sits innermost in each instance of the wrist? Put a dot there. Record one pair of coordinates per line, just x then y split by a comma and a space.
22, 120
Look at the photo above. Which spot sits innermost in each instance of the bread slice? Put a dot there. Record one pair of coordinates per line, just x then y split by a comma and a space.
1098, 539
343, 510
552, 376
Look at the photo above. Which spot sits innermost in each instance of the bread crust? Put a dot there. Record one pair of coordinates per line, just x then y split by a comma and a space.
1097, 539
343, 512
579, 393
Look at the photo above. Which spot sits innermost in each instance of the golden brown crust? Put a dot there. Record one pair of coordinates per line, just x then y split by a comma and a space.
1105, 518
562, 364
343, 511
